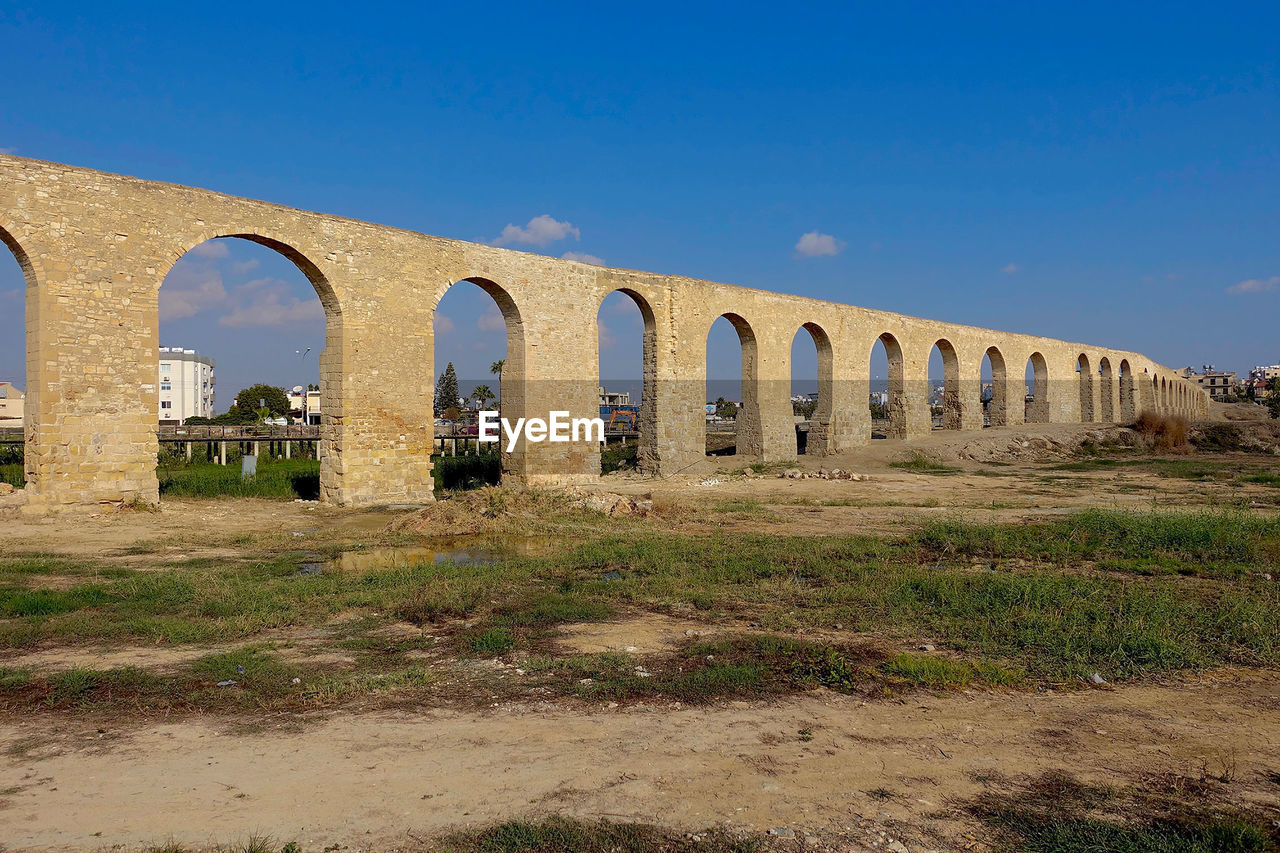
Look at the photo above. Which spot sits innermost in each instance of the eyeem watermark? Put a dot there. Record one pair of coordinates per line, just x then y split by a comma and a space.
559, 427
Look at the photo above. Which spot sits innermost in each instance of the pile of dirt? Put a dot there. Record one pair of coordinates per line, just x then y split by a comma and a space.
493, 508
482, 510
1064, 445
1237, 436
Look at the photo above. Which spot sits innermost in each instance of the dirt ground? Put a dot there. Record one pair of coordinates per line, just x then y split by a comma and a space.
383, 781
868, 772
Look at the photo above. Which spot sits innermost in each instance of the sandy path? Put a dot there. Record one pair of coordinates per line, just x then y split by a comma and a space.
386, 779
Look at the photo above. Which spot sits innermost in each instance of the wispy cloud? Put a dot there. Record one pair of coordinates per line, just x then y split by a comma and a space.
491, 320
541, 231
188, 295
584, 258
608, 340
211, 250
815, 244
1255, 285
242, 267
1009, 269
8, 150
269, 302
443, 325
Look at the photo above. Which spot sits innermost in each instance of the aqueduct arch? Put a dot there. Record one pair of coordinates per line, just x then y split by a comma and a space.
95, 246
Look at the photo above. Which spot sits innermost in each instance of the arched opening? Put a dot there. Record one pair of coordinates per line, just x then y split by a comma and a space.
1128, 409
628, 367
250, 338
944, 386
1086, 388
812, 375
1106, 391
994, 389
1164, 394
733, 407
478, 362
1037, 398
888, 406
16, 394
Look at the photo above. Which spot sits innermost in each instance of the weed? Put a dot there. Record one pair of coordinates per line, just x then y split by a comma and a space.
493, 642
921, 463
567, 834
1163, 433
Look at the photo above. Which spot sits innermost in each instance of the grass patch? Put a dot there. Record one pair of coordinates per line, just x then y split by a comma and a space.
922, 464
937, 671
16, 601
619, 457
557, 834
280, 479
1056, 814
743, 667
741, 506
1205, 543
457, 473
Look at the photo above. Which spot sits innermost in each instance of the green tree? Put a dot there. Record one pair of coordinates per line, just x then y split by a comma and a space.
726, 410
262, 396
482, 394
446, 390
1273, 397
496, 369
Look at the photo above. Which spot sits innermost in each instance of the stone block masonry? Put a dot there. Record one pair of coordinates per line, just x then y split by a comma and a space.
95, 248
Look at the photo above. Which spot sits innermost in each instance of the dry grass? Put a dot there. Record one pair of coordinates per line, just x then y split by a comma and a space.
1164, 433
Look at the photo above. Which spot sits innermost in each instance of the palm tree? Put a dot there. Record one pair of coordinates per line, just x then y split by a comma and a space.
482, 393
496, 369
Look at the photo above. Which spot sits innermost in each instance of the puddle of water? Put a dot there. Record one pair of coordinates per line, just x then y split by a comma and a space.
460, 551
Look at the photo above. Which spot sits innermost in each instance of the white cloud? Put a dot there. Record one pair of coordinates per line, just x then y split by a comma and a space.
211, 250
186, 295
1009, 268
816, 244
267, 302
540, 231
608, 340
584, 258
242, 267
1256, 285
491, 320
443, 325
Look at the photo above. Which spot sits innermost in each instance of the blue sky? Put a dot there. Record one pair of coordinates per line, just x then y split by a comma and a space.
1088, 171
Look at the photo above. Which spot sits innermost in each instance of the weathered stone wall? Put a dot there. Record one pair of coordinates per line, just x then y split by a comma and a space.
95, 248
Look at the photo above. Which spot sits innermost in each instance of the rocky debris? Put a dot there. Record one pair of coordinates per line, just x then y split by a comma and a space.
926, 647
710, 481
614, 505
822, 474
7, 489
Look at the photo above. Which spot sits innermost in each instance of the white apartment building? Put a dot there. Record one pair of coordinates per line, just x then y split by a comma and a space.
186, 385
304, 406
11, 405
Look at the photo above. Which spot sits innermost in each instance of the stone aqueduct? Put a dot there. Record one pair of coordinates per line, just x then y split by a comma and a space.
95, 248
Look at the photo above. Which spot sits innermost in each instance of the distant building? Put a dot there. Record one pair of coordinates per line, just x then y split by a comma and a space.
186, 385
1265, 372
12, 404
1219, 384
610, 400
304, 405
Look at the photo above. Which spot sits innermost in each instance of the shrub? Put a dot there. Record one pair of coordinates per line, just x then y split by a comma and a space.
1163, 432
